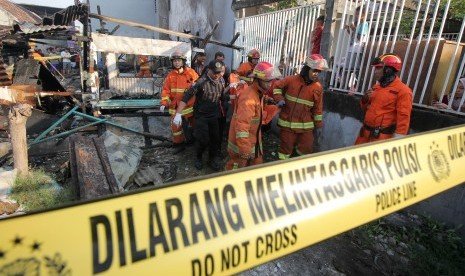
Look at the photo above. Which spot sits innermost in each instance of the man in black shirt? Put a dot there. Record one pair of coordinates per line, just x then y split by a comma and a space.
208, 91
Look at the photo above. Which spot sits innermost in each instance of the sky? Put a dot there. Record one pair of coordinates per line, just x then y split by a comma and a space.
50, 3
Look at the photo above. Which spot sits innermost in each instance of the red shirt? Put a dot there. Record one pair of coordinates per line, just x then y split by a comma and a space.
316, 39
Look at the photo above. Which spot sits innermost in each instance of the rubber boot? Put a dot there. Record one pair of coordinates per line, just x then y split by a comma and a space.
178, 148
214, 164
199, 148
198, 163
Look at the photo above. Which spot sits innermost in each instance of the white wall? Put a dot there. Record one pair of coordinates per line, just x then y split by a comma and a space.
141, 11
193, 15
201, 16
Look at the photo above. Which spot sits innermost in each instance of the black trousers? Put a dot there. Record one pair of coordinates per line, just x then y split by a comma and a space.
206, 133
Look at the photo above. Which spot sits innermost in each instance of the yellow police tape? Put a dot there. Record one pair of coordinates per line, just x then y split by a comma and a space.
232, 222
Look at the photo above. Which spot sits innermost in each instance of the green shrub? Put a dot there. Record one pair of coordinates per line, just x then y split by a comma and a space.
37, 190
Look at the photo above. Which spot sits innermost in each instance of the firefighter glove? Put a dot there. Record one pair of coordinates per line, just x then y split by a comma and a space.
281, 103
246, 156
398, 135
177, 119
162, 108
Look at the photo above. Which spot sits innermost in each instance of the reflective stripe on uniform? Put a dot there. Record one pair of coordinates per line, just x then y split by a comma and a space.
300, 125
177, 133
245, 78
283, 156
166, 98
235, 148
297, 100
255, 120
179, 90
318, 117
242, 134
277, 91
185, 111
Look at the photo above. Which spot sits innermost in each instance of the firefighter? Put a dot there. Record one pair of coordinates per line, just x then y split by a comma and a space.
235, 86
208, 92
245, 137
176, 83
387, 104
246, 68
301, 99
144, 67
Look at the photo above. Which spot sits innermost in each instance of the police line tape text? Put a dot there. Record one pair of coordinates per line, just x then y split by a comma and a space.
456, 145
181, 222
395, 196
238, 254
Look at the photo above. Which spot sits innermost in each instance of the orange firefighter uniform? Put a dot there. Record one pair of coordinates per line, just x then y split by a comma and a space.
236, 86
244, 71
302, 112
144, 64
173, 90
245, 139
387, 112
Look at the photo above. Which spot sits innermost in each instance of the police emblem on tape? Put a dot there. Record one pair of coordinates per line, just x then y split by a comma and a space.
438, 164
31, 260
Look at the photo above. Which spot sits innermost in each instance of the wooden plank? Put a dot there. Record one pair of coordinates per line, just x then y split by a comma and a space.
209, 35
88, 169
102, 154
161, 30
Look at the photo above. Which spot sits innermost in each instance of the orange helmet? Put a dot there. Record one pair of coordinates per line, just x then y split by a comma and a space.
178, 54
391, 60
317, 62
254, 53
264, 71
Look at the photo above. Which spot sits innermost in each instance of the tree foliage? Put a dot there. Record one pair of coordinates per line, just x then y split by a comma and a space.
457, 9
286, 4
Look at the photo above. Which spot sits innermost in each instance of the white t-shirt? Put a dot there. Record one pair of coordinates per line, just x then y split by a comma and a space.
66, 56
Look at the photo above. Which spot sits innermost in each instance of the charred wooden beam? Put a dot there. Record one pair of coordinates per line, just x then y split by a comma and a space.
209, 35
161, 30
236, 36
90, 168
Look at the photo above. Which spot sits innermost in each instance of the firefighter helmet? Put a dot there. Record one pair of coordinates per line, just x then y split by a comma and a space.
177, 54
264, 71
391, 60
317, 62
254, 53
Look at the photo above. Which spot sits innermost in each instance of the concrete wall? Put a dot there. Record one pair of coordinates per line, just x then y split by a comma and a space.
342, 121
141, 11
201, 16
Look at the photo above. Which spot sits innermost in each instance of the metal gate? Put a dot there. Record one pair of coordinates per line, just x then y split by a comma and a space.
283, 37
433, 61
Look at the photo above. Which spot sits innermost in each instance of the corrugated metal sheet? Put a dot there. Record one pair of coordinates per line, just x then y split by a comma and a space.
66, 16
41, 11
19, 12
29, 28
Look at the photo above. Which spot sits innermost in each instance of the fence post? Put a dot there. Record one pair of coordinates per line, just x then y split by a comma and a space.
326, 39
